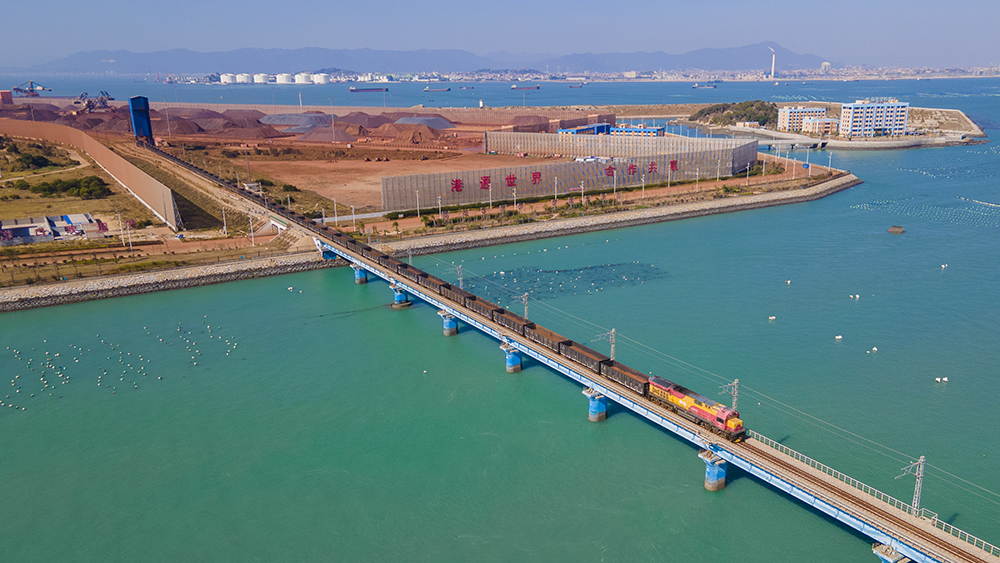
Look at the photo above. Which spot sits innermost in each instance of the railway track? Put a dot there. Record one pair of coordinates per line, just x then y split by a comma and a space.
955, 553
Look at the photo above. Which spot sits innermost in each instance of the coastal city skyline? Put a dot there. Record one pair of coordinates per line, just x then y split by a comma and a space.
523, 31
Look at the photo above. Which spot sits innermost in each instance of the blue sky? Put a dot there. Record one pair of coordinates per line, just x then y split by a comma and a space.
873, 32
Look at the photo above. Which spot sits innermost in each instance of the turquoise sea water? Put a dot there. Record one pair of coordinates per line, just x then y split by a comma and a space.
338, 429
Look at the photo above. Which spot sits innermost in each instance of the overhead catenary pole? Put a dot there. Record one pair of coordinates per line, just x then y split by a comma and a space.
733, 389
916, 468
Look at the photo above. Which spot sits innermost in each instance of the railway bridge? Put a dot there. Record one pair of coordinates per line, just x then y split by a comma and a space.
901, 532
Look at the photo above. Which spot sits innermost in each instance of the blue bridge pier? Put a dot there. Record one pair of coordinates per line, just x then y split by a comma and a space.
913, 533
399, 298
715, 470
513, 357
598, 404
450, 324
360, 275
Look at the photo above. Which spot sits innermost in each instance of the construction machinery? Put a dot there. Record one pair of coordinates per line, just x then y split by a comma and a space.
92, 104
29, 89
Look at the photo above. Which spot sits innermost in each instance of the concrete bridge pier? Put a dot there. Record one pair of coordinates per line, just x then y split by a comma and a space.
715, 470
360, 275
450, 324
513, 359
598, 405
399, 299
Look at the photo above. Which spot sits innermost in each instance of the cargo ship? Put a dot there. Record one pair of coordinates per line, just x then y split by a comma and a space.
429, 89
353, 89
576, 85
704, 86
466, 87
516, 87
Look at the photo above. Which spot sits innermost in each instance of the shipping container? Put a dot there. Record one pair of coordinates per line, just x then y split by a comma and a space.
617, 371
434, 284
545, 337
482, 306
512, 321
582, 355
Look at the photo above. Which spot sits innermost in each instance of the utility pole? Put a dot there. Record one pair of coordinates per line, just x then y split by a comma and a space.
610, 337
250, 220
224, 231
555, 193
916, 468
733, 389
524, 299
336, 220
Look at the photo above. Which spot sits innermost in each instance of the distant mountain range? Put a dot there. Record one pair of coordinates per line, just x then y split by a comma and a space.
183, 61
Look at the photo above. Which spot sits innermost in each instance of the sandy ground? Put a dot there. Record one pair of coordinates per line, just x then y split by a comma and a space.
359, 183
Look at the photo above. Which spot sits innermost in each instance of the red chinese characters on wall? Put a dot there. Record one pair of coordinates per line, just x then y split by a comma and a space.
652, 167
511, 180
456, 185
632, 169
609, 171
673, 165
485, 182
536, 177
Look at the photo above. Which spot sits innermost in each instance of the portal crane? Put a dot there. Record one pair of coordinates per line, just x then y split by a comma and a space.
29, 89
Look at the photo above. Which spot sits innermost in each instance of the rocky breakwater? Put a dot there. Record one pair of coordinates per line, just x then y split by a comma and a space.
14, 299
562, 227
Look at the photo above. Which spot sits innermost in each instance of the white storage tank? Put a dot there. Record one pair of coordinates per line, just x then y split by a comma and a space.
261, 78
244, 78
303, 78
227, 78
285, 78
321, 78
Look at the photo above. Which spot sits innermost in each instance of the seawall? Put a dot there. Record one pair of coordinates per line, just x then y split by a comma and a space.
32, 297
562, 227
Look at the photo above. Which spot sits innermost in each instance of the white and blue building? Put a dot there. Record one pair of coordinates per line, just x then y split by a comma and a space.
884, 117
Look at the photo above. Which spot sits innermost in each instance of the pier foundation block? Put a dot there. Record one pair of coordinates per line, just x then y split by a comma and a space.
598, 410
399, 299
450, 324
360, 275
715, 470
889, 555
513, 359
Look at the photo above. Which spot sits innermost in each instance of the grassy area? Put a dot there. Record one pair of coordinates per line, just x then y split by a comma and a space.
24, 158
34, 205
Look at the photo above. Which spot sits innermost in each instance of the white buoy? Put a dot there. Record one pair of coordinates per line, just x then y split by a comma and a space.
857, 297
771, 318
874, 349
839, 337
945, 379
938, 379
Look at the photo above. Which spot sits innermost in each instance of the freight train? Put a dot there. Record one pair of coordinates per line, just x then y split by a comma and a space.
681, 400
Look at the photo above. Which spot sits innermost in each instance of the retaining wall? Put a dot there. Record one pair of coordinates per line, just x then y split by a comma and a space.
150, 192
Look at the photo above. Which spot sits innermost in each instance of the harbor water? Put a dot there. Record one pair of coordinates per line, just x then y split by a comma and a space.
300, 418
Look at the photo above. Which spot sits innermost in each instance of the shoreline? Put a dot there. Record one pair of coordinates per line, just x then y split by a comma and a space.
32, 297
77, 291
449, 242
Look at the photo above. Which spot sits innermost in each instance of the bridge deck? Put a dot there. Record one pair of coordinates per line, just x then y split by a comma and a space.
917, 538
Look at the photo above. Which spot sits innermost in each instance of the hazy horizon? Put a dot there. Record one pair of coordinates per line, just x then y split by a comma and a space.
918, 33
